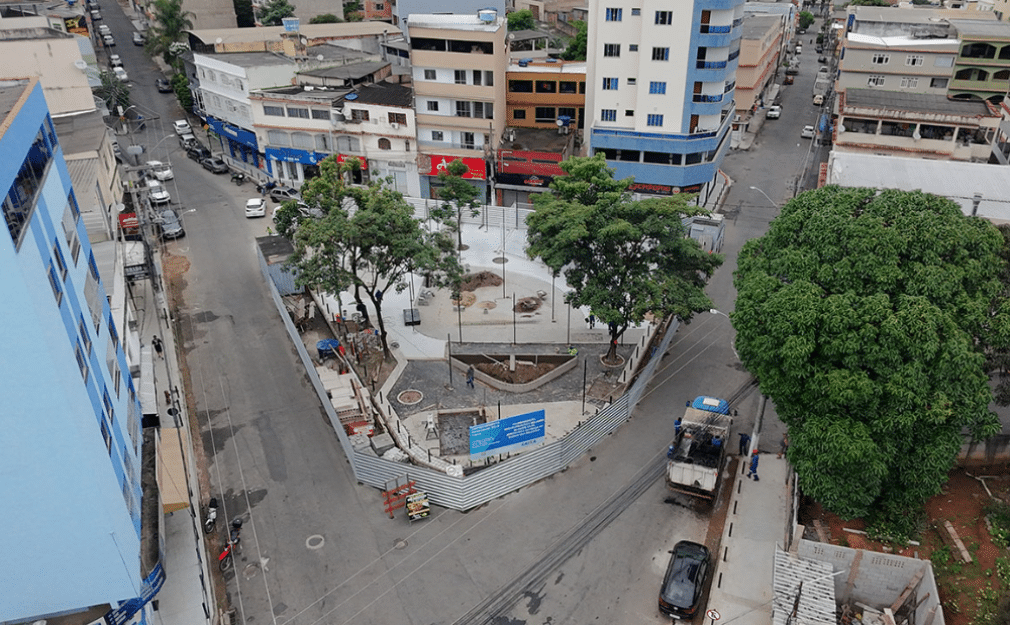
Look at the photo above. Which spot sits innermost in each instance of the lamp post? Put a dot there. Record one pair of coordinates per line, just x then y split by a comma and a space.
731, 344
773, 203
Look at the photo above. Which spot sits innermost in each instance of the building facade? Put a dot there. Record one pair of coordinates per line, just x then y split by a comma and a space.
458, 63
77, 540
402, 9
538, 94
982, 67
761, 54
660, 89
897, 63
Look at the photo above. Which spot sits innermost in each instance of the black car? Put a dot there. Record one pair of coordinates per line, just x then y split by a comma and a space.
215, 165
197, 152
169, 224
284, 193
164, 86
684, 580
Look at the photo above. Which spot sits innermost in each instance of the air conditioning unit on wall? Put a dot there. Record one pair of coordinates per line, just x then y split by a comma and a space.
394, 124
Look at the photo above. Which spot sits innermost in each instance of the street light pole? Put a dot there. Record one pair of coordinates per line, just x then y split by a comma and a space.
718, 312
761, 191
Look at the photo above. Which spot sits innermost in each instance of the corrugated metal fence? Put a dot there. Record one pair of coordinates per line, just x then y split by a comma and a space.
488, 483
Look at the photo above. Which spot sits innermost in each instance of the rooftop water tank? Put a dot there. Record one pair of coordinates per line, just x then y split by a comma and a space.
487, 15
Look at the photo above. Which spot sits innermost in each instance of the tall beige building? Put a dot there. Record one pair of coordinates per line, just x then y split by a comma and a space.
459, 64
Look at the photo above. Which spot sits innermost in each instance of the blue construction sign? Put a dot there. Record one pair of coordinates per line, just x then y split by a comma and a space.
507, 434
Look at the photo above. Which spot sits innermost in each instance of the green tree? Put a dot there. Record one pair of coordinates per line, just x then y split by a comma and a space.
353, 11
459, 196
863, 315
168, 27
622, 258
113, 92
998, 357
181, 88
273, 12
245, 16
806, 19
370, 248
326, 18
576, 50
870, 3
521, 20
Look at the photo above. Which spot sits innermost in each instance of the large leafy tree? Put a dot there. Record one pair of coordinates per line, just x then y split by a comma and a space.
998, 361
326, 18
576, 50
458, 197
245, 17
169, 27
863, 315
521, 20
622, 258
806, 19
366, 238
273, 12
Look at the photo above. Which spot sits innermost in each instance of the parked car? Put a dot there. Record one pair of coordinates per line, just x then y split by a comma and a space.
255, 207
115, 60
109, 41
197, 152
684, 580
157, 193
104, 30
215, 165
284, 193
138, 39
181, 127
186, 140
799, 49
160, 171
774, 112
792, 70
164, 86
121, 74
788, 80
170, 224
95, 16
807, 132
822, 59
818, 48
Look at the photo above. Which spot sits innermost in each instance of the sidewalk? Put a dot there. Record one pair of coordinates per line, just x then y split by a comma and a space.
755, 525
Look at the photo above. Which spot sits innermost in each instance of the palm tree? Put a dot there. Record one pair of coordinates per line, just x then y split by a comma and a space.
170, 22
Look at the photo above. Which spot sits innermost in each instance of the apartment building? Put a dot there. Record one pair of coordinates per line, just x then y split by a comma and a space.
459, 63
56, 58
761, 55
81, 547
660, 89
902, 63
982, 67
539, 94
402, 9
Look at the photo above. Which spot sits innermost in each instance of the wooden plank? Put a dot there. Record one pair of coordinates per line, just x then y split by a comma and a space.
909, 588
957, 543
822, 535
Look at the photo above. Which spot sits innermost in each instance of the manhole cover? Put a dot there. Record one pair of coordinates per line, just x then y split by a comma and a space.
410, 396
500, 259
314, 542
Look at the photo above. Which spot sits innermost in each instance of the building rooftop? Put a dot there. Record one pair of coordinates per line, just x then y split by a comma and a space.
323, 95
916, 16
536, 140
903, 41
388, 94
916, 102
757, 26
987, 30
14, 34
247, 59
570, 67
527, 35
350, 71
80, 133
310, 31
455, 21
10, 93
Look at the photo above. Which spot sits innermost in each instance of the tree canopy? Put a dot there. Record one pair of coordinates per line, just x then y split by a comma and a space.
273, 12
458, 197
806, 19
521, 20
576, 50
244, 14
326, 18
168, 27
364, 237
864, 314
622, 258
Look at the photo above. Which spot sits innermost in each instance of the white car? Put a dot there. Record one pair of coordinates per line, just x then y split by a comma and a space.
109, 40
115, 60
807, 132
255, 207
160, 171
774, 112
157, 192
121, 74
182, 127
104, 30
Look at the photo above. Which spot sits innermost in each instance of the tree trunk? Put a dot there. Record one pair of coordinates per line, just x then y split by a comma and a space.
612, 352
459, 229
382, 327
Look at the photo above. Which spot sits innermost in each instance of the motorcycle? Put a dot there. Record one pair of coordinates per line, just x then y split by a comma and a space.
227, 557
238, 178
208, 524
265, 187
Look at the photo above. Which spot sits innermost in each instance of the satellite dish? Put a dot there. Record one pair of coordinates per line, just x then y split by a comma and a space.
218, 40
319, 57
305, 41
80, 64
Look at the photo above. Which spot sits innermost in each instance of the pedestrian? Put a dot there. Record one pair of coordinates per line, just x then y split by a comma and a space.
753, 465
676, 428
157, 346
469, 377
592, 321
744, 443
783, 445
168, 398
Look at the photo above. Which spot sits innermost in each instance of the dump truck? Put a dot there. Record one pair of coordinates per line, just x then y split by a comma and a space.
699, 447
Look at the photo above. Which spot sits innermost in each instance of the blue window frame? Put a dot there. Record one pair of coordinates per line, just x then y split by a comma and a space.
654, 119
614, 15
657, 87
610, 83
608, 115
660, 54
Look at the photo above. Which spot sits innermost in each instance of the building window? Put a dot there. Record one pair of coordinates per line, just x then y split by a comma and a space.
61, 265
430, 75
567, 86
298, 112
944, 61
272, 110
462, 109
379, 6
436, 135
907, 82
938, 83
632, 47
82, 361
477, 75
108, 445
460, 77
483, 110
636, 12
664, 18
914, 59
582, 87
660, 54
654, 120
82, 329
278, 138
347, 144
323, 143
18, 203
629, 112
54, 282
320, 114
657, 87
521, 86
432, 105
302, 140
609, 84
875, 81
467, 141
880, 59
614, 15
519, 114
566, 112
546, 114
608, 115
398, 118
547, 86
611, 49
384, 144
632, 81
359, 115
488, 78
109, 409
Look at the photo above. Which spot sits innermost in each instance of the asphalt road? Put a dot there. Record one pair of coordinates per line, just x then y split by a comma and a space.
316, 545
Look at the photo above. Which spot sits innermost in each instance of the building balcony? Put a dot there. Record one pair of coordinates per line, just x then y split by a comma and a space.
987, 86
717, 40
442, 146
